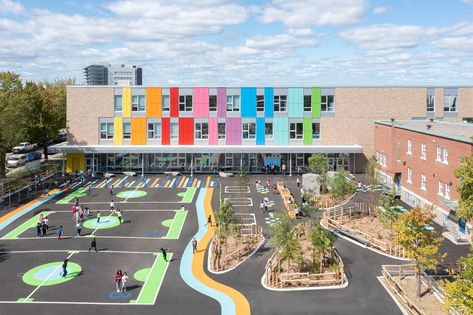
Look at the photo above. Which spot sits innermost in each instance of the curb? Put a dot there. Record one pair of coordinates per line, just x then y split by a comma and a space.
401, 308
328, 287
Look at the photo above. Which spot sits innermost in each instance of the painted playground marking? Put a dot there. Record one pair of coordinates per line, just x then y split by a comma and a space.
104, 223
237, 189
131, 194
240, 202
49, 274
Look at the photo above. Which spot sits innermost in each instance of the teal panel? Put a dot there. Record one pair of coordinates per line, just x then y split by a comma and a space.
295, 102
281, 131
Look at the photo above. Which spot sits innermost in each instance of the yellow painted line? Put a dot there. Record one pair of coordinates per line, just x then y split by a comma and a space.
207, 183
181, 182
194, 183
116, 182
241, 303
127, 184
167, 183
88, 183
155, 182
101, 183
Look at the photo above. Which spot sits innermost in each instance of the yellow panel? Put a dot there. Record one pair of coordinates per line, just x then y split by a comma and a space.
126, 102
138, 130
75, 162
118, 130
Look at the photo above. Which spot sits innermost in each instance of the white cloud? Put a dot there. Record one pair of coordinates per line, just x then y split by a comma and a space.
468, 1
8, 6
300, 14
379, 10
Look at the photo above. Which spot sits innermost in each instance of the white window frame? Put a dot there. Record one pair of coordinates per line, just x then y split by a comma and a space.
409, 146
246, 133
315, 135
439, 154
409, 175
398, 151
137, 105
268, 136
233, 103
450, 103
430, 101
199, 129
115, 107
423, 151
126, 136
445, 156
325, 104
293, 134
213, 108
108, 135
423, 182
155, 131
172, 135
280, 103
447, 191
440, 192
166, 103
308, 108
260, 103
220, 135
185, 103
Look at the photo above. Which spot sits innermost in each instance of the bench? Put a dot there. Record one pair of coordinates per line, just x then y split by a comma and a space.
131, 174
175, 173
108, 175
223, 174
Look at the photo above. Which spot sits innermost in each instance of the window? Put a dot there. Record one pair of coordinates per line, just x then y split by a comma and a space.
430, 103
326, 103
315, 131
138, 103
296, 131
445, 155
450, 103
233, 103
423, 182
221, 130
185, 103
118, 103
126, 130
447, 191
260, 103
409, 146
106, 130
154, 131
280, 103
268, 131
440, 188
409, 175
249, 130
213, 103
201, 130
174, 131
307, 103
423, 151
398, 152
166, 103
439, 154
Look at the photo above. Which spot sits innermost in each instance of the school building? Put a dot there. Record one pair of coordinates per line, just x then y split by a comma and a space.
204, 129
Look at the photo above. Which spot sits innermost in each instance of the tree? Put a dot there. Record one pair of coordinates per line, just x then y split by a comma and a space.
420, 242
460, 291
310, 207
465, 189
341, 186
321, 240
390, 214
286, 242
318, 163
225, 217
370, 171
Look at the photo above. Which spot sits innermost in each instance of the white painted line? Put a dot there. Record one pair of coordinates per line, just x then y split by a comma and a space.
211, 183
381, 280
46, 279
198, 183
172, 183
240, 202
86, 236
326, 287
185, 182
127, 210
121, 181
237, 189
75, 251
74, 303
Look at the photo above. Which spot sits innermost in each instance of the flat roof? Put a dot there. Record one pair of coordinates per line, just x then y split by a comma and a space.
165, 86
458, 131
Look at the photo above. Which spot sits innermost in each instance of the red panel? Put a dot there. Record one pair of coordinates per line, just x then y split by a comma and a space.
166, 131
186, 131
174, 102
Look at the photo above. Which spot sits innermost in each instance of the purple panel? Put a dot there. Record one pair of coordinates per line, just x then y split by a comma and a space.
233, 131
221, 102
213, 131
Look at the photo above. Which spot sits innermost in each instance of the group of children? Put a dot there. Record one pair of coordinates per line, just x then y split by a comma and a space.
42, 226
121, 279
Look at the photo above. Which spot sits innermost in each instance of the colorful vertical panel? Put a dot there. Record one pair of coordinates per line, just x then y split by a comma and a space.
153, 102
295, 102
117, 130
281, 131
201, 102
165, 131
126, 102
268, 102
75, 162
315, 102
138, 130
233, 131
213, 131
186, 131
248, 102
307, 130
174, 102
260, 131
221, 102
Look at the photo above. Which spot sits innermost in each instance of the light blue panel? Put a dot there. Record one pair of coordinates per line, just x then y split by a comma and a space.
295, 102
268, 102
248, 102
260, 131
281, 131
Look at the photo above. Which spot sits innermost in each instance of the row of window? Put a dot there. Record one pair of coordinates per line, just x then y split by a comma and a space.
201, 130
233, 104
442, 152
444, 188
381, 158
449, 103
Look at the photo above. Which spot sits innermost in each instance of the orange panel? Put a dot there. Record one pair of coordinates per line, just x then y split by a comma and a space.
153, 102
138, 130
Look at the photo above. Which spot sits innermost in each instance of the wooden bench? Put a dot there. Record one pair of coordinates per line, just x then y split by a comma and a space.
108, 175
131, 174
175, 173
223, 174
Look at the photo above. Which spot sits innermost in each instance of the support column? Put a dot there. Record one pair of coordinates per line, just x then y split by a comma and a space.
290, 164
192, 164
63, 164
142, 164
93, 165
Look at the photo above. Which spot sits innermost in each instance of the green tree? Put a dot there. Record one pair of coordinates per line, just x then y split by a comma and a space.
322, 241
286, 242
310, 207
460, 291
370, 171
318, 163
341, 186
465, 189
226, 218
390, 214
420, 243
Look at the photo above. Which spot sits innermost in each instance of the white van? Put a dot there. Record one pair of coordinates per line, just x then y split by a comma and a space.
16, 160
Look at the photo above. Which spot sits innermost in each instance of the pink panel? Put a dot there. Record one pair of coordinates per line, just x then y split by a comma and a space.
233, 131
213, 131
201, 102
221, 102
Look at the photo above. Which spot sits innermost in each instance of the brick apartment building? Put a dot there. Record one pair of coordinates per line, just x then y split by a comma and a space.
418, 158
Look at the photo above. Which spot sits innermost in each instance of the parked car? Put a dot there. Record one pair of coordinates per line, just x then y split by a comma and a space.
24, 147
35, 155
16, 160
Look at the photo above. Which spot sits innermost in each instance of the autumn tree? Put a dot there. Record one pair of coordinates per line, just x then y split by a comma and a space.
460, 291
420, 242
465, 189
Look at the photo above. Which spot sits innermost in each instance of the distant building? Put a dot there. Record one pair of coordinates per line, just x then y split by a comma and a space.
109, 74
418, 159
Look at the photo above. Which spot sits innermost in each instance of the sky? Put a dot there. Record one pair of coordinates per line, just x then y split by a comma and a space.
244, 43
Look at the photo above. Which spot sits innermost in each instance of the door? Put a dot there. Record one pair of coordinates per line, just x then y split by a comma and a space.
75, 165
461, 225
198, 165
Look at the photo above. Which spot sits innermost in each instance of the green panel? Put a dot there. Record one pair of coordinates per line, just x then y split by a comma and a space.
315, 102
307, 131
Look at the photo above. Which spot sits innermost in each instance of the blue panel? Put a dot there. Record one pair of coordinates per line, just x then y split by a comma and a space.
295, 102
260, 131
281, 131
268, 102
248, 102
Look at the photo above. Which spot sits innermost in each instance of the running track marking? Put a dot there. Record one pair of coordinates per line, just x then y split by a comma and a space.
176, 226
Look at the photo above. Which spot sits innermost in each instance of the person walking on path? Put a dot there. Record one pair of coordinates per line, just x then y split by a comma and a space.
64, 268
111, 190
298, 181
118, 280
182, 208
124, 281
59, 232
46, 222
38, 229
112, 206
89, 189
119, 215
194, 245
78, 228
43, 229
98, 216
283, 168
209, 220
165, 254
261, 206
93, 244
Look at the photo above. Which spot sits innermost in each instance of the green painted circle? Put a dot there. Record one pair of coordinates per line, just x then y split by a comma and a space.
52, 272
167, 222
131, 194
105, 223
142, 274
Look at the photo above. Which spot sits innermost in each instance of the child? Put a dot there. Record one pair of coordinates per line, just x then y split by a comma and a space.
38, 229
46, 222
261, 206
118, 280
93, 245
112, 206
98, 216
43, 229
124, 281
59, 232
119, 215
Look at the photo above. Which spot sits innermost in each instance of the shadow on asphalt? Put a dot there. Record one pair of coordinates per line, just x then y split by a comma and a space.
4, 255
133, 287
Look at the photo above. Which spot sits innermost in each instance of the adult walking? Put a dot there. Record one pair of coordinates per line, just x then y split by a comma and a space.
194, 245
64, 267
165, 254
93, 244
